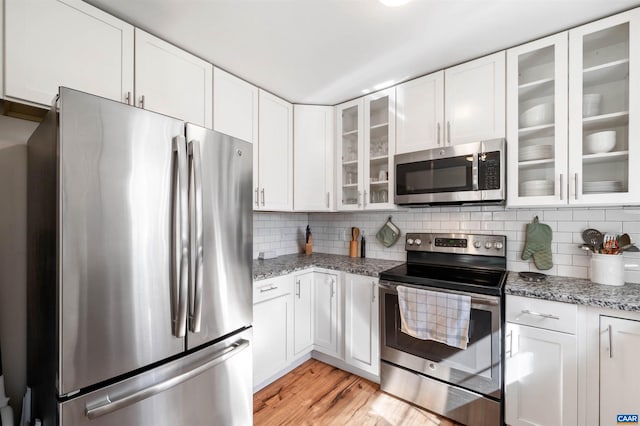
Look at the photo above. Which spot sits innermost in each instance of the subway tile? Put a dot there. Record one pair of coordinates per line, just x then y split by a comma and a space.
481, 216
631, 214
558, 215
573, 271
562, 259
440, 216
505, 215
606, 227
588, 214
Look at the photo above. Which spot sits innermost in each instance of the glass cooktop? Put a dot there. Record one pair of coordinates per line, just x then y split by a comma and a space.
484, 281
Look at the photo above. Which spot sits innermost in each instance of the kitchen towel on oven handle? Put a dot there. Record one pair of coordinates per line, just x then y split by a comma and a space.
432, 315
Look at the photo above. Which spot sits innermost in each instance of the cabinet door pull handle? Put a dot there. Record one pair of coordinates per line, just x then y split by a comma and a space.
257, 198
142, 101
373, 292
298, 288
359, 198
262, 193
364, 199
438, 136
333, 291
537, 314
127, 98
448, 132
610, 341
575, 185
328, 199
561, 189
270, 288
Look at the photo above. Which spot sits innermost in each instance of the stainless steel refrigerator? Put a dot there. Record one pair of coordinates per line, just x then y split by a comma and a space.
139, 269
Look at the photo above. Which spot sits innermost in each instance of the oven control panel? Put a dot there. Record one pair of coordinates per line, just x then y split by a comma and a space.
479, 244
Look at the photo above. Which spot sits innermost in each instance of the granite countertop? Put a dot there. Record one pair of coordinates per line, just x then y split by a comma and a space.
577, 291
283, 265
559, 289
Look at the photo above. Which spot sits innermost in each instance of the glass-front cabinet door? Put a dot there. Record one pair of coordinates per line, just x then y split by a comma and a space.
537, 122
379, 124
604, 93
350, 155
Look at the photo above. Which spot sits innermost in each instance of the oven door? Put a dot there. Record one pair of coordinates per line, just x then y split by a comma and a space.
438, 175
477, 368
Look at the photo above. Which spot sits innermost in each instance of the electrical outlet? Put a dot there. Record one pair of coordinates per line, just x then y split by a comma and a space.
342, 235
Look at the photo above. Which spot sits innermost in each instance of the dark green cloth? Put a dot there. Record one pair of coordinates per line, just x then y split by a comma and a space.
538, 244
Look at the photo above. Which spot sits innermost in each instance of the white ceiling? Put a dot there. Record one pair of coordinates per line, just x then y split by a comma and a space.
329, 51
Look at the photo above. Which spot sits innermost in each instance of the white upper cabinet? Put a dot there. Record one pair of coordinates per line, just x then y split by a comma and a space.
273, 160
379, 149
350, 154
313, 142
52, 43
465, 103
474, 106
537, 87
235, 106
604, 108
365, 150
172, 81
420, 113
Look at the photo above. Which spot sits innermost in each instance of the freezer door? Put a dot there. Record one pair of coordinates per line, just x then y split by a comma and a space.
209, 387
221, 234
116, 166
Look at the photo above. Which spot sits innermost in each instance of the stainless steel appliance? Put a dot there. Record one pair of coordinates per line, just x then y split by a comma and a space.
139, 278
462, 384
457, 174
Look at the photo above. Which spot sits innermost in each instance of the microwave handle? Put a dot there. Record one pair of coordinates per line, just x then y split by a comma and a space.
475, 171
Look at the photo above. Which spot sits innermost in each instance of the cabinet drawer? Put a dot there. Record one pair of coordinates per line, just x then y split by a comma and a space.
270, 288
539, 313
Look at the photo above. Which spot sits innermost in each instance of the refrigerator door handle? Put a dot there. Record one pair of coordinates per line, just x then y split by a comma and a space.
106, 405
195, 316
180, 311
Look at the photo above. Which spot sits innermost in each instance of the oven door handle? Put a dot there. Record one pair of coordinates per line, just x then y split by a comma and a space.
475, 299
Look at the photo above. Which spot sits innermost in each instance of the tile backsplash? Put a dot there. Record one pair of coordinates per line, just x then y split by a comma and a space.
284, 232
278, 233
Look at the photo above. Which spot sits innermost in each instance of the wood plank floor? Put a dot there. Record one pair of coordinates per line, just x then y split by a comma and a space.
318, 394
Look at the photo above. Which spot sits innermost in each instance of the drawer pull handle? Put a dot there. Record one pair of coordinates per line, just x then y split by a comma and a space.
264, 290
537, 314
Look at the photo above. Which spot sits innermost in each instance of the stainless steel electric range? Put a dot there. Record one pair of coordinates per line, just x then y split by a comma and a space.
465, 385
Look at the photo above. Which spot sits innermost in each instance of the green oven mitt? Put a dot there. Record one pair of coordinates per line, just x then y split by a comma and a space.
538, 244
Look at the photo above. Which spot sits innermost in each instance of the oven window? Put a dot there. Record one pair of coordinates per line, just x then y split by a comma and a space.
441, 175
476, 359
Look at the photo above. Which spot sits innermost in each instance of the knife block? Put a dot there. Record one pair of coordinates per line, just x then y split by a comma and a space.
353, 249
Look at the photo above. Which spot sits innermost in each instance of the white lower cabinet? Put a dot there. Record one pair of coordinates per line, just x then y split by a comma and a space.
303, 314
362, 342
272, 327
326, 317
541, 380
619, 373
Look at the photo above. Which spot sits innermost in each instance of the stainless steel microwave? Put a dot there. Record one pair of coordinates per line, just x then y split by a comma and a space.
457, 174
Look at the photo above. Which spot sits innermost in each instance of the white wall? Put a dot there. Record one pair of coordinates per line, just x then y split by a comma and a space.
567, 225
13, 255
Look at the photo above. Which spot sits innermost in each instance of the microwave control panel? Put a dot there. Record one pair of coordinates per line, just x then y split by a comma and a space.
489, 170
